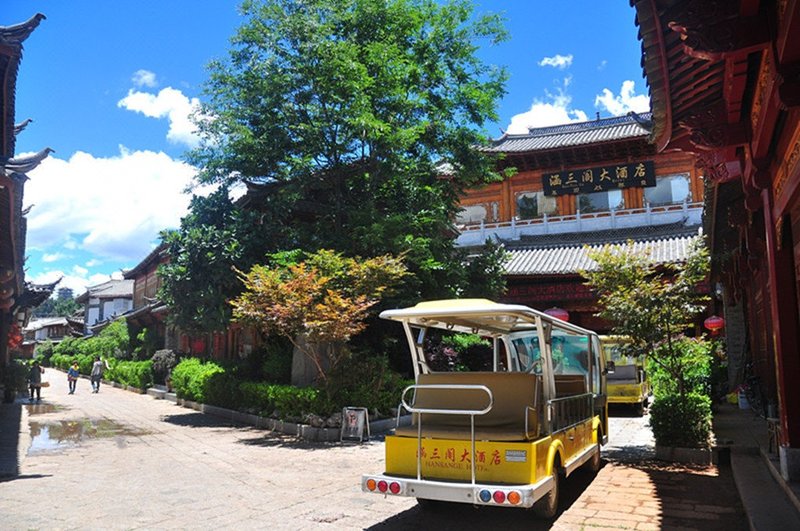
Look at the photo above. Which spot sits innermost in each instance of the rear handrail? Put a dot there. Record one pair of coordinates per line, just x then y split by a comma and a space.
444, 411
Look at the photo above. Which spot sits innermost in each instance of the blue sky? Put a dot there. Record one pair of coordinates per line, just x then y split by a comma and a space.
109, 85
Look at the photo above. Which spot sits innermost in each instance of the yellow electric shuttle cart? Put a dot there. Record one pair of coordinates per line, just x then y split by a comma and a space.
628, 383
501, 437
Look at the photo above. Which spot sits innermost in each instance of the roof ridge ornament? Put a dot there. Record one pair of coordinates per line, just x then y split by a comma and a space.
14, 35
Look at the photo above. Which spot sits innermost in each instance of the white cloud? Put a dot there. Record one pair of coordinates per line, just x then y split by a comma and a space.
602, 65
53, 257
111, 208
169, 103
557, 61
80, 271
627, 100
93, 262
555, 110
144, 78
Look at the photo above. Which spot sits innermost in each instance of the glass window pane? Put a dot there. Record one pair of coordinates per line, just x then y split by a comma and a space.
535, 205
471, 214
669, 190
600, 201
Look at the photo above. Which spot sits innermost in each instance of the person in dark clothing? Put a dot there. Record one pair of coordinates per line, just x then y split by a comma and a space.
35, 381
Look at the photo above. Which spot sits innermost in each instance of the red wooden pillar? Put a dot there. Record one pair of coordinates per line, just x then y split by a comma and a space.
785, 319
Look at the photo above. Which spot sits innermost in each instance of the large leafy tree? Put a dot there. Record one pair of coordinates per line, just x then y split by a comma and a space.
359, 118
199, 279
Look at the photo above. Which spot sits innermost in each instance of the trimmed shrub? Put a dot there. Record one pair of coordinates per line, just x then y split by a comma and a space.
681, 421
222, 389
44, 352
189, 378
366, 381
137, 374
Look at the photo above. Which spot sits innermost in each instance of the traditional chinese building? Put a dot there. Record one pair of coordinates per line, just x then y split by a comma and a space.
149, 312
724, 83
14, 302
591, 183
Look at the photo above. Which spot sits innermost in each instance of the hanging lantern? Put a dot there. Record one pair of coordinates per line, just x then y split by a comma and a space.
198, 345
714, 324
558, 313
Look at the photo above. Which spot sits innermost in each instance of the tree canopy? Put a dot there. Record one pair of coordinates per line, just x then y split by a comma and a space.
354, 125
322, 297
652, 305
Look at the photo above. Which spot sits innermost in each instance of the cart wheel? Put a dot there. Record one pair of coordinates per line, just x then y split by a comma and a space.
547, 506
640, 409
594, 464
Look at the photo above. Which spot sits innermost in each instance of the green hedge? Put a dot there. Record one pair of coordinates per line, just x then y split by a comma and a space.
210, 383
683, 422
137, 374
190, 376
64, 361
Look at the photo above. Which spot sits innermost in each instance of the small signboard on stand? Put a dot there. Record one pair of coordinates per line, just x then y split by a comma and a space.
355, 421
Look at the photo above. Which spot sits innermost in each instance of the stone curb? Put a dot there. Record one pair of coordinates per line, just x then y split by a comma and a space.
303, 431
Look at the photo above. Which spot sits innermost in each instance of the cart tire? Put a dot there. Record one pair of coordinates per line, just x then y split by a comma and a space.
640, 409
547, 506
594, 464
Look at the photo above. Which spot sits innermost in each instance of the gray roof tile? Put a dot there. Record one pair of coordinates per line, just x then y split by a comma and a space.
571, 259
574, 134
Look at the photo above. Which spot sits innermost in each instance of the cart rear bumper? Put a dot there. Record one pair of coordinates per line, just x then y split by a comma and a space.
476, 494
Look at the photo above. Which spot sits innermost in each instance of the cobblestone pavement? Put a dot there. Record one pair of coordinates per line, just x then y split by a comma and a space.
117, 460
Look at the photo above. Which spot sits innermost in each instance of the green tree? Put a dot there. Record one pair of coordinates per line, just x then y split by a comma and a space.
324, 298
199, 280
359, 119
653, 305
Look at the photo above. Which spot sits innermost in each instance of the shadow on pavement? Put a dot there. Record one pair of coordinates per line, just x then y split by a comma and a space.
10, 415
628, 454
25, 476
458, 517
201, 420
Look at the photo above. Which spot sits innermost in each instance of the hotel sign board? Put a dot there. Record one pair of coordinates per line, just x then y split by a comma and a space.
600, 179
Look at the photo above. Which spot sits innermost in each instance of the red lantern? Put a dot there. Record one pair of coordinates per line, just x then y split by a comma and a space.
558, 313
714, 324
198, 345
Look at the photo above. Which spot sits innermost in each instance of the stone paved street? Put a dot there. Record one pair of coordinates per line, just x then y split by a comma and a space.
128, 461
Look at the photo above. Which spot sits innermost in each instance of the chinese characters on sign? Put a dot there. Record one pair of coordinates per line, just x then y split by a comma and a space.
449, 457
587, 180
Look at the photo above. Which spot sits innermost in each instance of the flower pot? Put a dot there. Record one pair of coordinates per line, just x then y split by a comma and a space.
743, 402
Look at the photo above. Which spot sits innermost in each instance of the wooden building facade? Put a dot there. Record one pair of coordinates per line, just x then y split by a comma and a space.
591, 183
16, 296
724, 83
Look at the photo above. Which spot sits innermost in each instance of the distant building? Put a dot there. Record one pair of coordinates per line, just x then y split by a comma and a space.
65, 293
53, 329
106, 301
575, 185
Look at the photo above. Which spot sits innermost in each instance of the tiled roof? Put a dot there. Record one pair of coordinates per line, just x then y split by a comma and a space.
109, 290
575, 134
571, 259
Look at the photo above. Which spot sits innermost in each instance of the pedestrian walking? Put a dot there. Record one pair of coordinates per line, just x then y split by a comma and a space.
72, 377
35, 380
98, 367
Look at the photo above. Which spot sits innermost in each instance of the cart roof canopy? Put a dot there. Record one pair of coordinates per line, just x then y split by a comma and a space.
475, 316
